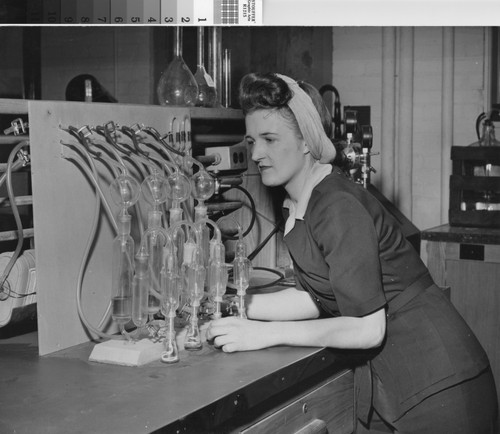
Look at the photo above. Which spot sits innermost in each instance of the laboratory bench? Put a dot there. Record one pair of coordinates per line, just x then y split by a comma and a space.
275, 390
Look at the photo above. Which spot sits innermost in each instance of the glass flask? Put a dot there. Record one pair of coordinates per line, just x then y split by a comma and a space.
487, 135
179, 189
177, 85
207, 95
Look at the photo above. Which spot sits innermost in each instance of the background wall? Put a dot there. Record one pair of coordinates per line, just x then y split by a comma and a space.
119, 57
425, 85
359, 59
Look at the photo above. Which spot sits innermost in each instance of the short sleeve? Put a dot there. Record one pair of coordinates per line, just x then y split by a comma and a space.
345, 233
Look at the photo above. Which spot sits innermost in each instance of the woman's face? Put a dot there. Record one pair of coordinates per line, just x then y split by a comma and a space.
276, 148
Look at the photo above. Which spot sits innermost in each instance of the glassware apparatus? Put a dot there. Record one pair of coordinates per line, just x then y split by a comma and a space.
207, 95
241, 275
177, 85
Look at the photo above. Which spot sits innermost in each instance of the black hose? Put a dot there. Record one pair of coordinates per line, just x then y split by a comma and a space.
337, 119
479, 119
257, 250
254, 213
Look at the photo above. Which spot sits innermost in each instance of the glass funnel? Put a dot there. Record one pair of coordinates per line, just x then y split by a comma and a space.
207, 95
177, 85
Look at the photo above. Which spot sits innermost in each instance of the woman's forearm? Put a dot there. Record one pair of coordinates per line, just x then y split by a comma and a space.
283, 305
340, 332
235, 334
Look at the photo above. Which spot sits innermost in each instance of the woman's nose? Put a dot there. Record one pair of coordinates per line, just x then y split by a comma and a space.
256, 151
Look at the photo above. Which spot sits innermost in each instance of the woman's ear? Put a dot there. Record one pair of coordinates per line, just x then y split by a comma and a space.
305, 148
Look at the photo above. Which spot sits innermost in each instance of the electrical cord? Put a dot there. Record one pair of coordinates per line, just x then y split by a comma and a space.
114, 147
252, 208
479, 119
275, 282
100, 199
156, 135
117, 166
15, 166
91, 172
17, 217
278, 281
81, 273
130, 133
257, 250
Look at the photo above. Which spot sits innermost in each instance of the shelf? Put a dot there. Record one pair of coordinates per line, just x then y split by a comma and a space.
216, 113
13, 235
13, 106
217, 138
20, 106
20, 201
458, 234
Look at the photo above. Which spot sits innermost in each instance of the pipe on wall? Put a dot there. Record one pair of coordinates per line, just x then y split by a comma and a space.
405, 122
388, 127
447, 117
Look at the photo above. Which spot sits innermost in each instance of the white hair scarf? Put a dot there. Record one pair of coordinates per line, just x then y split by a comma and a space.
309, 121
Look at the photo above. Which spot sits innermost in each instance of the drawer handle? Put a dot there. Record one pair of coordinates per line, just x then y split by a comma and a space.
315, 426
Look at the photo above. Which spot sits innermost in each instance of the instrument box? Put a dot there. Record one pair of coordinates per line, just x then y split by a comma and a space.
475, 186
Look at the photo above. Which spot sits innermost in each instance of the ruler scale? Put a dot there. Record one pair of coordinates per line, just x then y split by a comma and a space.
84, 12
68, 11
135, 12
151, 12
130, 12
51, 11
101, 11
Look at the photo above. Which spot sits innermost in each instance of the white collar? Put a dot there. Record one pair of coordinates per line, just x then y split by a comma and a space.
318, 172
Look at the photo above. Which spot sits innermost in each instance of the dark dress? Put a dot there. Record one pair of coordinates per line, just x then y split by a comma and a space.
351, 256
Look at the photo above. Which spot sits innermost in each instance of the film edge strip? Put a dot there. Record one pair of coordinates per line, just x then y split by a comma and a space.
137, 12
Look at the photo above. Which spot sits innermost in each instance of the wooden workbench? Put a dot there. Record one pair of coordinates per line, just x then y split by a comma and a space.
209, 391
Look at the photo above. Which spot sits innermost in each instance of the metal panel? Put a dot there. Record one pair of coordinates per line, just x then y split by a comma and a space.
63, 205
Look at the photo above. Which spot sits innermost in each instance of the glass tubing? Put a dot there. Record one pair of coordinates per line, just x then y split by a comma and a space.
176, 265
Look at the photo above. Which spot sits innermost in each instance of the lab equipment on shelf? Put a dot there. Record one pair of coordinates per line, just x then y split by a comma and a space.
177, 85
207, 95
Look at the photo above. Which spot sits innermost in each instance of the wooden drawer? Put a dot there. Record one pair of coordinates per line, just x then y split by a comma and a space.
329, 408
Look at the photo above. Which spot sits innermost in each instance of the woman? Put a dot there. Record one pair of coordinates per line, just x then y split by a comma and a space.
359, 284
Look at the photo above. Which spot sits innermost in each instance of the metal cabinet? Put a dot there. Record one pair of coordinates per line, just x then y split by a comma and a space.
467, 260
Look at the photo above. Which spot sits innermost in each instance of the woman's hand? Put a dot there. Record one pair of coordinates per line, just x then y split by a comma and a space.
236, 334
